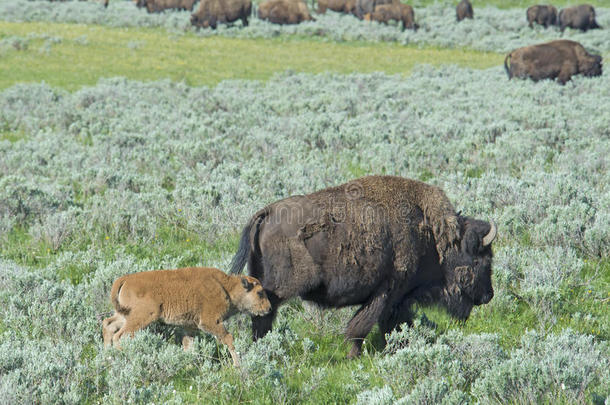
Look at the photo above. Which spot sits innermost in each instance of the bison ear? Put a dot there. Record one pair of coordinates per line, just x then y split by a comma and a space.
246, 284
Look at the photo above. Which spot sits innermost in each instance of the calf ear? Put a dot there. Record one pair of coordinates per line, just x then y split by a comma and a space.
246, 284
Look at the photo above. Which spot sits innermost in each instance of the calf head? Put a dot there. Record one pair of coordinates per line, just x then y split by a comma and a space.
253, 298
468, 269
591, 66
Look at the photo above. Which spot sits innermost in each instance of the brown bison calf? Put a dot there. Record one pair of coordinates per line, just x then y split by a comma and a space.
340, 6
212, 12
580, 17
194, 298
156, 6
464, 10
541, 14
559, 59
284, 11
395, 11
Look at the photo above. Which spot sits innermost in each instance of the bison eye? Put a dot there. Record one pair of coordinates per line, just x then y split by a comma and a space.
261, 294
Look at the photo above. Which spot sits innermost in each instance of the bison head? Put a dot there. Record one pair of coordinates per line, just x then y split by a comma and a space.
592, 66
141, 3
468, 269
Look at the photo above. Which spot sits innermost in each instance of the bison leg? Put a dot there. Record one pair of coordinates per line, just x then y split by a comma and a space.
567, 70
362, 322
261, 325
110, 326
138, 319
394, 317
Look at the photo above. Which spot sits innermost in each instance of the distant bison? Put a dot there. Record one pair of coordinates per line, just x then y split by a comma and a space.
156, 6
212, 12
196, 298
464, 10
396, 11
580, 17
340, 6
559, 59
368, 6
541, 14
383, 243
284, 11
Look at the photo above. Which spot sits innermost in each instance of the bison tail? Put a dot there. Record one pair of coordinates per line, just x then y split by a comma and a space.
245, 245
114, 296
506, 65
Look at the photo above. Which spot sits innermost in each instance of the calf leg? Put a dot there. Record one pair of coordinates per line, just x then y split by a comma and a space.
218, 329
140, 317
110, 326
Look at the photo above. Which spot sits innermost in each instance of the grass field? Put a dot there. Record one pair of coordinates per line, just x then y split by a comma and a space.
100, 176
86, 53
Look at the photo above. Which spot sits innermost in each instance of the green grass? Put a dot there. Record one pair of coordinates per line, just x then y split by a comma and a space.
88, 53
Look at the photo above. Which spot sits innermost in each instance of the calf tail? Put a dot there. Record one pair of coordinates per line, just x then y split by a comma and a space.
245, 246
506, 68
114, 296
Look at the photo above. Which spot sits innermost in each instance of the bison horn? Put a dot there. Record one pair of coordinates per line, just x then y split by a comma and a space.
491, 235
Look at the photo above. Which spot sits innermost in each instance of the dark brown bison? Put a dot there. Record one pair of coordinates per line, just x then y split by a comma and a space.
384, 13
381, 242
580, 17
368, 6
541, 14
212, 12
156, 6
559, 59
284, 11
340, 6
464, 10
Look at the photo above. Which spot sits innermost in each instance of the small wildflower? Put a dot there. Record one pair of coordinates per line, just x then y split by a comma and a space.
107, 237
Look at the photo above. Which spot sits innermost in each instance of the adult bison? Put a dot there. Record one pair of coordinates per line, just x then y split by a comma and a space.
381, 242
559, 59
340, 6
384, 13
156, 6
212, 12
284, 11
464, 10
541, 14
580, 17
368, 6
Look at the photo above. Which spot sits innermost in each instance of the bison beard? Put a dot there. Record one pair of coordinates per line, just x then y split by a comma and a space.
381, 242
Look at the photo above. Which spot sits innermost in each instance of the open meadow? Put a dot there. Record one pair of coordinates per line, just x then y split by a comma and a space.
132, 142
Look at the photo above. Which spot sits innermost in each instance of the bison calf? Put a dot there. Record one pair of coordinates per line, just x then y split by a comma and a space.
212, 12
284, 11
395, 11
541, 14
194, 298
580, 17
464, 10
559, 59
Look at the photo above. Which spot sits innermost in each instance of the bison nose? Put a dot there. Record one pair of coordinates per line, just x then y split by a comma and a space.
486, 298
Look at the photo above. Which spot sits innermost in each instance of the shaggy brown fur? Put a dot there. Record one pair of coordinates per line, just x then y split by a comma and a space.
340, 6
381, 242
383, 13
580, 17
156, 6
541, 14
368, 6
284, 11
212, 12
559, 59
464, 10
194, 298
